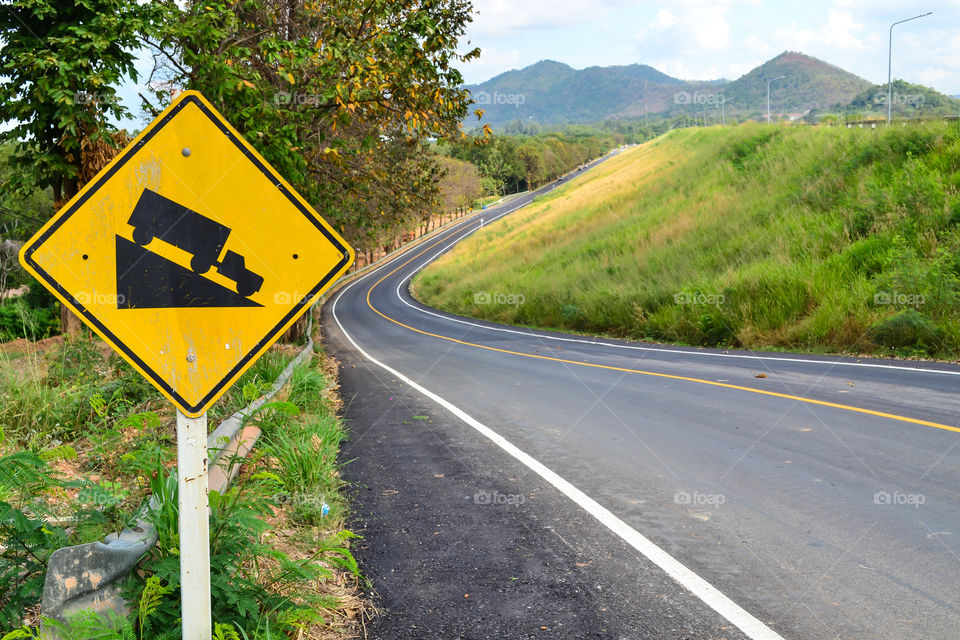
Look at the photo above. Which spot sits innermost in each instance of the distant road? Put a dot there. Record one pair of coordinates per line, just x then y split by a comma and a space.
795, 496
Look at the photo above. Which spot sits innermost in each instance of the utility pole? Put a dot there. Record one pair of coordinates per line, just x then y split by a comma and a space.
768, 94
890, 65
723, 110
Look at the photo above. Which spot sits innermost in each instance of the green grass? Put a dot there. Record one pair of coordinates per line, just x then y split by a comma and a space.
256, 381
752, 236
304, 450
115, 460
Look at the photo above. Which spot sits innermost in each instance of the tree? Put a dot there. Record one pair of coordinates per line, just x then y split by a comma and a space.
532, 165
58, 67
460, 185
339, 96
59, 64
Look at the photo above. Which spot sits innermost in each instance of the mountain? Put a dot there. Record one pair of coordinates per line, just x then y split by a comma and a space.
553, 93
809, 84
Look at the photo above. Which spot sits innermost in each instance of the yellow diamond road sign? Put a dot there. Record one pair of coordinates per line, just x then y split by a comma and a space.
188, 253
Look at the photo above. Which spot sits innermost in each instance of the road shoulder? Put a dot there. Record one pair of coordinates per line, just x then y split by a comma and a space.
461, 541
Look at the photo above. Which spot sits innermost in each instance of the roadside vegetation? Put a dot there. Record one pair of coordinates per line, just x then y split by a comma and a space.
816, 239
85, 442
512, 164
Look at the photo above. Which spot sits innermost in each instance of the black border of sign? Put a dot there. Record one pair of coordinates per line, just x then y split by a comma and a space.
267, 171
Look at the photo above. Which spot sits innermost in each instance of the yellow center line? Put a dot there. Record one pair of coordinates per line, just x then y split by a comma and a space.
823, 403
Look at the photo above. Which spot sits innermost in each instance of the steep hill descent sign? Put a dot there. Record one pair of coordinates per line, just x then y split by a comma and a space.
188, 253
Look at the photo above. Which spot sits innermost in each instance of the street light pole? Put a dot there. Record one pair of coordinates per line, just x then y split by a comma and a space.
890, 65
768, 94
646, 121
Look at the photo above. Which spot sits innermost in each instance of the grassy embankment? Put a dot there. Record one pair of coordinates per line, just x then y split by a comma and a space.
817, 239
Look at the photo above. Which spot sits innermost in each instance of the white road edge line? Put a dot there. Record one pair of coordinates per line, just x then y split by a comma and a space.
530, 334
710, 595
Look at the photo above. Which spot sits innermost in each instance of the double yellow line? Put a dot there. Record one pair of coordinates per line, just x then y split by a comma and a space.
822, 403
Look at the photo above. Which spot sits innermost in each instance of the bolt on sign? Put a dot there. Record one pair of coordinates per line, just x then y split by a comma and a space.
188, 254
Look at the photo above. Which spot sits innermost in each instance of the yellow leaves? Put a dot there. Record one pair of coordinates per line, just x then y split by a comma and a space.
319, 44
487, 131
479, 113
290, 78
245, 83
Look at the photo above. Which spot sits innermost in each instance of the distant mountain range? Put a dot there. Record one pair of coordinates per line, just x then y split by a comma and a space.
552, 93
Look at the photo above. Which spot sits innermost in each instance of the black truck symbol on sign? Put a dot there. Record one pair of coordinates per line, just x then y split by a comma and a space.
203, 238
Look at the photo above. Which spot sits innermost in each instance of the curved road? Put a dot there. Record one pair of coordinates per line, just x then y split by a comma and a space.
793, 496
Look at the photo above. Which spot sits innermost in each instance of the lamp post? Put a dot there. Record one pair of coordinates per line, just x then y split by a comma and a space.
768, 94
890, 65
646, 121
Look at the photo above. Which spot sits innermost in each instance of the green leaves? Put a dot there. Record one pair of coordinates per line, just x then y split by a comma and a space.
337, 96
224, 632
150, 599
27, 541
60, 65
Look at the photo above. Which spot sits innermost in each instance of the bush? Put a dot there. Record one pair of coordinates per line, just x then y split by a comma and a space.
19, 320
908, 328
24, 534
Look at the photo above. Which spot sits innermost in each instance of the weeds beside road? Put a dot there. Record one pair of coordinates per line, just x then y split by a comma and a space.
86, 442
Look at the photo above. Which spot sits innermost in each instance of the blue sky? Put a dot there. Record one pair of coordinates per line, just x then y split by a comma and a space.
701, 39
709, 39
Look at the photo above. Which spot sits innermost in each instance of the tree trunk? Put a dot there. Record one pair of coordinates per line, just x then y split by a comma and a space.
298, 330
70, 323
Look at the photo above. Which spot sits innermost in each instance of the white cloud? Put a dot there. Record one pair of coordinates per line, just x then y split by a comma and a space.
665, 20
839, 31
502, 18
707, 39
492, 62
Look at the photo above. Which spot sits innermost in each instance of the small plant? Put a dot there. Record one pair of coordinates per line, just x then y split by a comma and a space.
306, 465
908, 328
92, 625
307, 385
19, 320
27, 540
79, 362
272, 415
251, 583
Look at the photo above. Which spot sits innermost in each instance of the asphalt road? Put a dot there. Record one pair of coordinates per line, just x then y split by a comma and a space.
703, 493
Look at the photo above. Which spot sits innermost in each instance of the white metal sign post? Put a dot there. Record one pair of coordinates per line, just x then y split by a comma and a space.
194, 526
